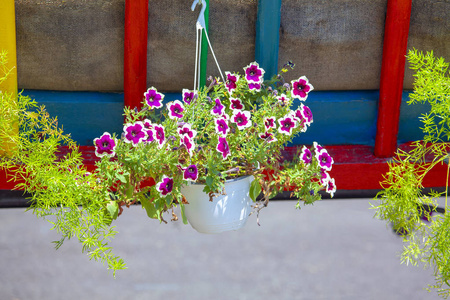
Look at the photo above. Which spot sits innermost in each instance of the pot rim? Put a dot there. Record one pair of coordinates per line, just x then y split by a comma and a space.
226, 181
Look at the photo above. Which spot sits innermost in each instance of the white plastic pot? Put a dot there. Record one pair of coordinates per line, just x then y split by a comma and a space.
225, 212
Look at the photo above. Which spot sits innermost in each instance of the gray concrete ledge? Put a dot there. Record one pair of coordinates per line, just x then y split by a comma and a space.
332, 250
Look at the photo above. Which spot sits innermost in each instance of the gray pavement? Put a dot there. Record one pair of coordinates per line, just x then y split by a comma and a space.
332, 250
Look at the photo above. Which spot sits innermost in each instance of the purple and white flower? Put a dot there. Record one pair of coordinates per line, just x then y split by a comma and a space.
105, 145
160, 136
297, 114
230, 82
306, 114
241, 119
165, 186
149, 130
317, 147
300, 88
269, 123
223, 148
218, 108
190, 173
188, 96
175, 109
222, 127
254, 86
283, 99
324, 177
189, 144
253, 73
186, 130
268, 137
236, 104
287, 124
134, 133
306, 155
331, 187
148, 124
324, 159
153, 98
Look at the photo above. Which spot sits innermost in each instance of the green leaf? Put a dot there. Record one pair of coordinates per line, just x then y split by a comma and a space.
209, 181
121, 178
113, 209
149, 208
169, 199
183, 215
255, 189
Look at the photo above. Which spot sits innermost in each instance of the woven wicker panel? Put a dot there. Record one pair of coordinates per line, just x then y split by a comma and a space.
172, 35
78, 44
429, 30
70, 45
336, 44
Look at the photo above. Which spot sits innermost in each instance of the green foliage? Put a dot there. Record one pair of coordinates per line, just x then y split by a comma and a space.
62, 190
401, 202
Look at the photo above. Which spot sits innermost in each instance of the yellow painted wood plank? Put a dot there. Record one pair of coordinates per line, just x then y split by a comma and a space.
8, 44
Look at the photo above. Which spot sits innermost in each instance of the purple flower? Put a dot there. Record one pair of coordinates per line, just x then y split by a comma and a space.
223, 147
105, 145
150, 135
283, 99
331, 187
324, 159
268, 137
253, 73
176, 109
300, 119
148, 124
286, 124
190, 173
222, 127
134, 133
153, 98
269, 123
188, 96
187, 130
231, 80
324, 177
148, 128
165, 186
317, 147
300, 88
218, 108
256, 86
241, 119
306, 114
159, 134
236, 104
306, 155
188, 143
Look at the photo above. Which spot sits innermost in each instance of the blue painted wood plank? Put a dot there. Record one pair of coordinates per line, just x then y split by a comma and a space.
268, 35
85, 115
340, 117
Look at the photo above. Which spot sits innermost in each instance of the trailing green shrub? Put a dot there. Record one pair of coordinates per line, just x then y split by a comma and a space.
402, 201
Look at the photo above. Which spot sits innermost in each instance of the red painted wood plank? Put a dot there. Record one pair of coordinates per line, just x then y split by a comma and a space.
392, 72
135, 52
355, 168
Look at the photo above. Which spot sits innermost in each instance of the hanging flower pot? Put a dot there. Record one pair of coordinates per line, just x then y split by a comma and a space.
225, 212
211, 134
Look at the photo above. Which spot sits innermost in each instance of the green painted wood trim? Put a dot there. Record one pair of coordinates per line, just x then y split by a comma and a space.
204, 47
268, 35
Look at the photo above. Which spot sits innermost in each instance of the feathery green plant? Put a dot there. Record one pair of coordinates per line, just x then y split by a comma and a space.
62, 190
401, 202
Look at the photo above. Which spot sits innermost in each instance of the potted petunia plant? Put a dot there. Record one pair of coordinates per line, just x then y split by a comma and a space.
216, 153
